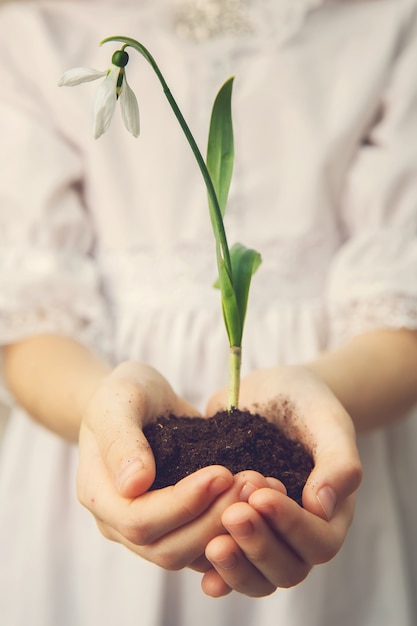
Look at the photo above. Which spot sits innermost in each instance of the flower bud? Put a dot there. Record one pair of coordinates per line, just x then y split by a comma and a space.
120, 58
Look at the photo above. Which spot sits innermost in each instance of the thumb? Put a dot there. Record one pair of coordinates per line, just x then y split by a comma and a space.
336, 475
130, 453
132, 396
115, 421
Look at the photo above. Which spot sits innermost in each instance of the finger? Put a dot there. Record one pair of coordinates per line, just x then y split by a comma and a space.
213, 584
96, 486
186, 544
337, 470
200, 564
245, 483
236, 571
311, 538
337, 474
248, 481
171, 529
114, 421
145, 519
132, 396
271, 554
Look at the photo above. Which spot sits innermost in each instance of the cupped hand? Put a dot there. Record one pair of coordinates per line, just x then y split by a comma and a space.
272, 542
116, 469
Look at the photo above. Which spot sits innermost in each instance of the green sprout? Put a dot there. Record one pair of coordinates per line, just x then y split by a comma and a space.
235, 265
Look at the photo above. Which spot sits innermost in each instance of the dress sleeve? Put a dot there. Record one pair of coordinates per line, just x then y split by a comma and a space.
48, 277
373, 280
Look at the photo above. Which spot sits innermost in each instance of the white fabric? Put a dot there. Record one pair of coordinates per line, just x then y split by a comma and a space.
110, 241
200, 20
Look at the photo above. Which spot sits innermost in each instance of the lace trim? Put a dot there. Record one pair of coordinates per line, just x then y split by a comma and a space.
186, 276
201, 20
50, 291
393, 311
16, 325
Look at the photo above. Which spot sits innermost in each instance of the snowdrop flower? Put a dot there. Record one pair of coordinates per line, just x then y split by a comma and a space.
113, 88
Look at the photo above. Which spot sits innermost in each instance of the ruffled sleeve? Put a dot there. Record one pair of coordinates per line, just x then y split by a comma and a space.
373, 280
48, 278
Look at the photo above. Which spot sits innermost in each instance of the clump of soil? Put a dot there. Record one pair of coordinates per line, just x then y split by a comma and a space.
238, 440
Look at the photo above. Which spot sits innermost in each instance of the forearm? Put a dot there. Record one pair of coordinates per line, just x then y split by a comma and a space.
374, 376
52, 377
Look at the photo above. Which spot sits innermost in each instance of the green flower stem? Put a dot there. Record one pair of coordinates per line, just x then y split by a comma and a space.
232, 313
222, 248
235, 360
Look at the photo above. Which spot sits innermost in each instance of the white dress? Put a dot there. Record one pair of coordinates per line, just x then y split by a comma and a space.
110, 241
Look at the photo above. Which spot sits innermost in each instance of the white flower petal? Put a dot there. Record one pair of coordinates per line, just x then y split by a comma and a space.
130, 109
105, 103
79, 75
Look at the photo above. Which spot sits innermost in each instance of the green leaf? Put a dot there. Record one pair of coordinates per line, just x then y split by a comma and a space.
245, 262
220, 148
235, 295
230, 305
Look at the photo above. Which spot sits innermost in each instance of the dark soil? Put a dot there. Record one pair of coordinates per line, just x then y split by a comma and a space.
237, 440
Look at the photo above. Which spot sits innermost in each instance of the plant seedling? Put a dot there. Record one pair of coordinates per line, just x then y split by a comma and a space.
235, 265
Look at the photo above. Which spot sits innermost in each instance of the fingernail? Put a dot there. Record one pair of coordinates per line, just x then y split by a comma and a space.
242, 530
327, 499
130, 467
228, 563
246, 491
218, 485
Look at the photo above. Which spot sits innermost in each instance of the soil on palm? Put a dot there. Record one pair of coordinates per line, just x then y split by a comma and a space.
238, 440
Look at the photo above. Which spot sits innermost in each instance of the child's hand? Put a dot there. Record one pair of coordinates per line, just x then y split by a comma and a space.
272, 542
171, 526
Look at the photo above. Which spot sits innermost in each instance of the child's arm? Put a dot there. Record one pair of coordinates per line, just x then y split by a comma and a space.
53, 377
374, 376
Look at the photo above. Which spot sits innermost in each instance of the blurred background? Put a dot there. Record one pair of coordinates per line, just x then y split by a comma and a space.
3, 419
3, 409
